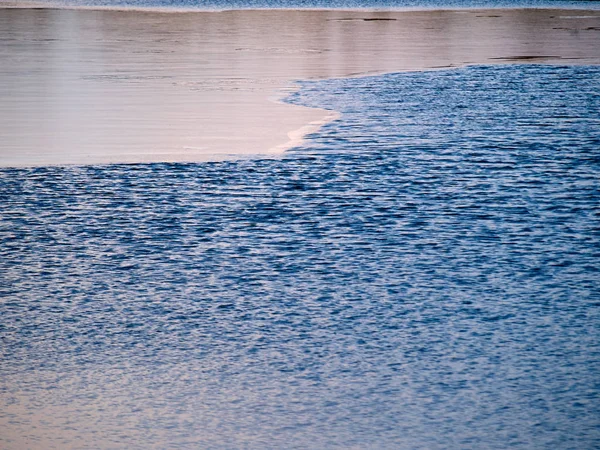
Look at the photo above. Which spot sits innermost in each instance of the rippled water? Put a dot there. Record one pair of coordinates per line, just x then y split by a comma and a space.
249, 4
424, 273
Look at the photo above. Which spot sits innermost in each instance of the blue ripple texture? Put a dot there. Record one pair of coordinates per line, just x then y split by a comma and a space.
422, 274
327, 4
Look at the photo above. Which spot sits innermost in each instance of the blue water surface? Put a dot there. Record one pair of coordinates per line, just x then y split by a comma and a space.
422, 274
329, 4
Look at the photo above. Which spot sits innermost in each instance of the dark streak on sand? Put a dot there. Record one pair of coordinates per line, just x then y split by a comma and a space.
364, 19
526, 57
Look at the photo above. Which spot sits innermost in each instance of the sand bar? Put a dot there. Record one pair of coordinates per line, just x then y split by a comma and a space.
102, 86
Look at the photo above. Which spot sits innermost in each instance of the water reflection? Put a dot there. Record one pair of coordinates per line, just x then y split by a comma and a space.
395, 284
104, 86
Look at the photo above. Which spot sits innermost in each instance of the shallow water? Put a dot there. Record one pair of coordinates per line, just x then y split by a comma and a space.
424, 273
105, 87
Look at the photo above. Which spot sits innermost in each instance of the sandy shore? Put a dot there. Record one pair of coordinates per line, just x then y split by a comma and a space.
83, 86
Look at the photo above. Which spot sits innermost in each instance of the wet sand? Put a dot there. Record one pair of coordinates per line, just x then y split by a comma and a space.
102, 86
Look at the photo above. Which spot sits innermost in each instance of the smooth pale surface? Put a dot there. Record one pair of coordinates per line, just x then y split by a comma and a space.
83, 86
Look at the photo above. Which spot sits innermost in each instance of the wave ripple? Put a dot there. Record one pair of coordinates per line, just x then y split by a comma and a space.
423, 274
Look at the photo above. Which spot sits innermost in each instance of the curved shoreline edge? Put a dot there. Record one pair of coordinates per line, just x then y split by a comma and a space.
197, 87
297, 137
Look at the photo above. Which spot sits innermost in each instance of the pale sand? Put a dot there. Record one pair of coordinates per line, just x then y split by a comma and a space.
82, 86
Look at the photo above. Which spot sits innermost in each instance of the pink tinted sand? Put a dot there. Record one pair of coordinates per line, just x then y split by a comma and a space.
88, 87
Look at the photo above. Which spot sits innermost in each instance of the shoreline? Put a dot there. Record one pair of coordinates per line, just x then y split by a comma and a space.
200, 86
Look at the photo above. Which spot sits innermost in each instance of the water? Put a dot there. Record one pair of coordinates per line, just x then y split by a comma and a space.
329, 4
422, 274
